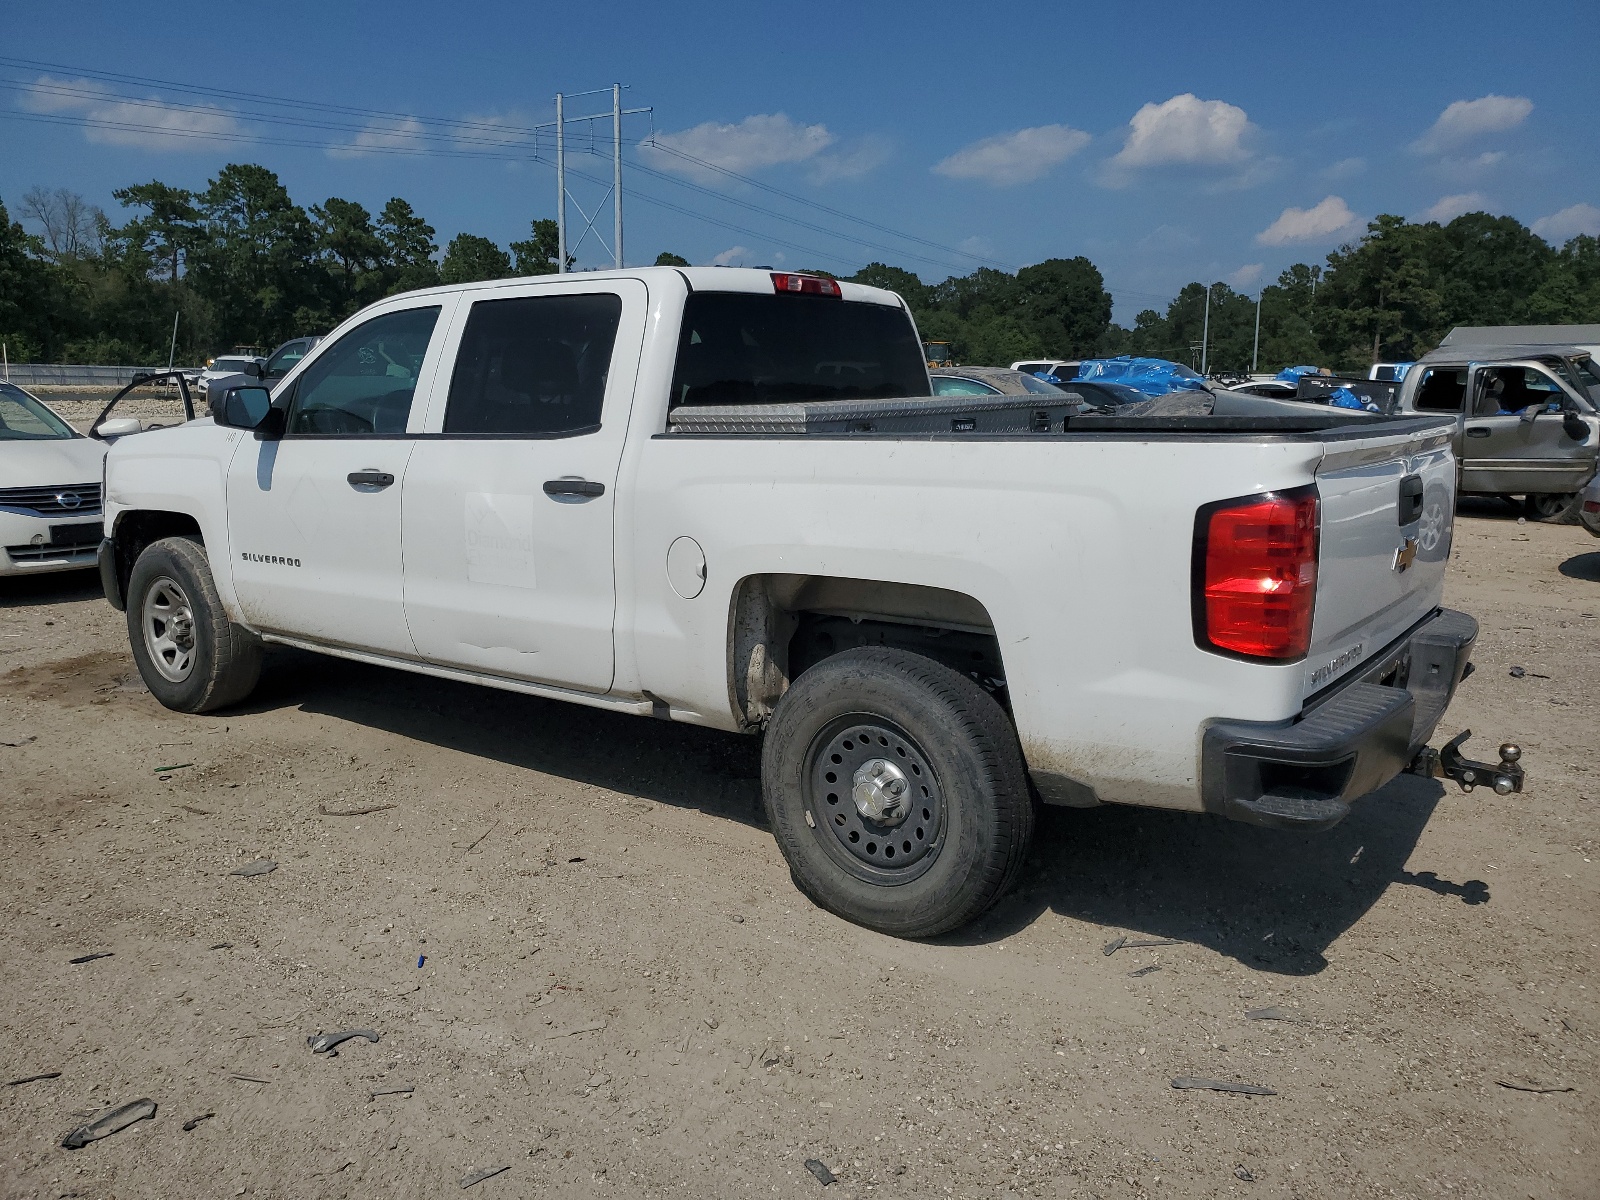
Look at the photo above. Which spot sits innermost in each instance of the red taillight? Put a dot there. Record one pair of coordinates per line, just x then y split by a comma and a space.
1256, 575
806, 285
1591, 506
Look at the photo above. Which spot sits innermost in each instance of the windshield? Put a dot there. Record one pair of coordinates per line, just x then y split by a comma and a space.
24, 419
287, 355
231, 365
742, 348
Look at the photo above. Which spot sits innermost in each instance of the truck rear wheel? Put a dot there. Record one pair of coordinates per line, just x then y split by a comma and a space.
192, 658
897, 792
1554, 508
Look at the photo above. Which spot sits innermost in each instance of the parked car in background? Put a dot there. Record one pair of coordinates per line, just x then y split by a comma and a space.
49, 488
1274, 389
1526, 420
1589, 512
1061, 368
988, 381
228, 366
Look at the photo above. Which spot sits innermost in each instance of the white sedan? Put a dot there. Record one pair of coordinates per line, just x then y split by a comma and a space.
49, 488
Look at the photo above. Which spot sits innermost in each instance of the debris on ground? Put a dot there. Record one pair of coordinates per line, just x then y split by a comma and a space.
1272, 1013
399, 1091
1244, 1174
1517, 672
114, 1121
324, 1043
33, 1078
353, 812
1190, 1082
15, 739
1537, 1089
1143, 971
193, 1123
261, 866
173, 767
479, 1176
1127, 943
249, 1079
222, 946
83, 958
817, 1168
421, 958
711, 1022
591, 1027
199, 812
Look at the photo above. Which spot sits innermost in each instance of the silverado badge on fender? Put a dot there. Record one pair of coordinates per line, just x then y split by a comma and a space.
1405, 554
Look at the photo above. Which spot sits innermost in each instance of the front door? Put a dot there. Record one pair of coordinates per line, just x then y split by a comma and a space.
509, 500
314, 516
1515, 442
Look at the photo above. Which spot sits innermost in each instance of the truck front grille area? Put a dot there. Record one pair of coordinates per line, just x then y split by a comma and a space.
65, 499
52, 554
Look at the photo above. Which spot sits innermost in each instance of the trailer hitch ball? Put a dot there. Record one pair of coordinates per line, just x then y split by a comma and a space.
1505, 777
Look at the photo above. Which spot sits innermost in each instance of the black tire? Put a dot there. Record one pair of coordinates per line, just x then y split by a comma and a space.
193, 659
965, 836
1554, 508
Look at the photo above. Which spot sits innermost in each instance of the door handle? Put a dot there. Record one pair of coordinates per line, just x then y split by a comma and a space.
378, 479
1477, 431
573, 487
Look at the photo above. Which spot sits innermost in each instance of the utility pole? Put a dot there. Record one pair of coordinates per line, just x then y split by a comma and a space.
616, 171
173, 352
1205, 331
561, 190
1256, 352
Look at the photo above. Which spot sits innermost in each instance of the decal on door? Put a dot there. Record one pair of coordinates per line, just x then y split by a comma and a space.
499, 539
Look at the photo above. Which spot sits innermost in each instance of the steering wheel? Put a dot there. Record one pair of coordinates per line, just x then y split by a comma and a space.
333, 421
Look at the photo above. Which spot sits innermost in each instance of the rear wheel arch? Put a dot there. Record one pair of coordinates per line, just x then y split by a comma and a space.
781, 625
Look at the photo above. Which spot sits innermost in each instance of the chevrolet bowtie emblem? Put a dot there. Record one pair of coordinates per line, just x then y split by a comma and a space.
1405, 554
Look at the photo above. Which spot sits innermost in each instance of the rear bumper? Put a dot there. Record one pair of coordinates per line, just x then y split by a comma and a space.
1351, 739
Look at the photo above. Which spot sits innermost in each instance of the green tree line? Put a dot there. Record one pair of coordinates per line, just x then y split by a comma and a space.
247, 266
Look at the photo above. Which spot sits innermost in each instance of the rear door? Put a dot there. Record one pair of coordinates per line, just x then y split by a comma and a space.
1515, 442
1388, 510
509, 501
314, 516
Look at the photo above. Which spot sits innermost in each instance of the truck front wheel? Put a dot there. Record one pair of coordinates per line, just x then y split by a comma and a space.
191, 657
897, 792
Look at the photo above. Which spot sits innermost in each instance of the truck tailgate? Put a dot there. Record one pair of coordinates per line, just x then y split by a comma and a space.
1388, 507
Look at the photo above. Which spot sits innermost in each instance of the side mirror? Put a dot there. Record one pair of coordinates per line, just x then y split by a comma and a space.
118, 427
254, 369
1575, 427
244, 407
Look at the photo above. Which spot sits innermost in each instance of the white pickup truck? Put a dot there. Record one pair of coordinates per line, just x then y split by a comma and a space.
728, 498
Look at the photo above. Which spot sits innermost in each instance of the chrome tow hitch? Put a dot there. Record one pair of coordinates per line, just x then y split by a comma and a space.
1449, 763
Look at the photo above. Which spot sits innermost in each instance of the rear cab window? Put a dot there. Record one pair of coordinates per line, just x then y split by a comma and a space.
747, 348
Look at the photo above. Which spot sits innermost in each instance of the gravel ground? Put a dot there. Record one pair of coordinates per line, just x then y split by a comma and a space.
584, 956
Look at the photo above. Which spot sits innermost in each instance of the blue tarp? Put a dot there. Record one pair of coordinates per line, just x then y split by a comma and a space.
1292, 374
1152, 376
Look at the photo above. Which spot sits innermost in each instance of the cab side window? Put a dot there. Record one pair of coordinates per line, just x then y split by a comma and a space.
363, 385
533, 366
1442, 390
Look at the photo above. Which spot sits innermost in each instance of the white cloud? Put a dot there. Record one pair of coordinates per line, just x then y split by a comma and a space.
1007, 159
1467, 119
733, 256
384, 137
866, 154
762, 140
1313, 224
1246, 275
1185, 129
149, 124
1345, 168
1569, 223
1448, 208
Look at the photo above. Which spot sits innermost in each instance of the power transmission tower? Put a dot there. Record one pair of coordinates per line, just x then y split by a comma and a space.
613, 193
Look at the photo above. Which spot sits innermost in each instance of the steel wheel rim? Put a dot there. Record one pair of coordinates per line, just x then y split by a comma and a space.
167, 620
844, 790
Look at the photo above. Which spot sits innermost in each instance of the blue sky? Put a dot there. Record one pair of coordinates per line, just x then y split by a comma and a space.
1165, 141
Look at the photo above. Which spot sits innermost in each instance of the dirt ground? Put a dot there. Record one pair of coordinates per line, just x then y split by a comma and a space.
583, 954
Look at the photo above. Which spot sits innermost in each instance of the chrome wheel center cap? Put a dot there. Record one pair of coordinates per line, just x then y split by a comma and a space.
881, 792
